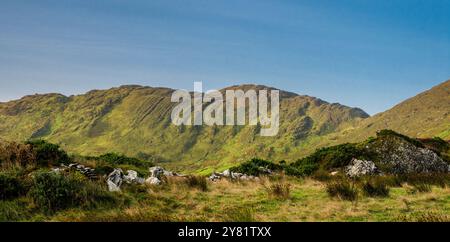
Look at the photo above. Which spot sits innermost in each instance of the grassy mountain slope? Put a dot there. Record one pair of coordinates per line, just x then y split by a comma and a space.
135, 120
425, 115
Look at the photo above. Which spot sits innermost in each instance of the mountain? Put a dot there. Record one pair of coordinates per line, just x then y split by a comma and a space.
135, 120
423, 116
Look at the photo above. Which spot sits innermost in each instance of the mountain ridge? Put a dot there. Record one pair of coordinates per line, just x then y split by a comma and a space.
135, 120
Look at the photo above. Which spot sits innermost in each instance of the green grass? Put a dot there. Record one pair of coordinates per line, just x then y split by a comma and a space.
244, 201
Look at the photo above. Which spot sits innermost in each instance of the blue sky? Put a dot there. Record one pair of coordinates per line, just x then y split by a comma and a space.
369, 54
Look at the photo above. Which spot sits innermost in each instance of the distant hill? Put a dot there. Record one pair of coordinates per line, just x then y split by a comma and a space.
135, 120
424, 116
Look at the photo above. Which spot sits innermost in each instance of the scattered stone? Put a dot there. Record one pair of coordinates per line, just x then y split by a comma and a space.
214, 177
86, 171
231, 175
360, 168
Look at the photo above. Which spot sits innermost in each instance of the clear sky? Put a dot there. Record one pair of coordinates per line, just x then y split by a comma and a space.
366, 53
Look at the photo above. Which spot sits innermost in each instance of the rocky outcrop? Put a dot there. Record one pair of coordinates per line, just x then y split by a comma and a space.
401, 156
361, 168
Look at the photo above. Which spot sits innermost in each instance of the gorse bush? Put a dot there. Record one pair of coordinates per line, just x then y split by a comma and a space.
388, 132
10, 186
118, 159
51, 192
330, 157
254, 167
342, 189
48, 154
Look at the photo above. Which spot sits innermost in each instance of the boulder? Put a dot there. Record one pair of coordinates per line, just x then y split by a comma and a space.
153, 181
114, 180
226, 173
132, 177
156, 171
361, 168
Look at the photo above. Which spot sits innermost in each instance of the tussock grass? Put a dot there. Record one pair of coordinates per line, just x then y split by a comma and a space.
342, 189
375, 187
197, 182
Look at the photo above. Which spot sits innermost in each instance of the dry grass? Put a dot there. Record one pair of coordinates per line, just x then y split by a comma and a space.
249, 201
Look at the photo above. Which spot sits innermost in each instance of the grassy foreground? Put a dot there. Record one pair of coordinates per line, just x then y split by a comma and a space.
274, 199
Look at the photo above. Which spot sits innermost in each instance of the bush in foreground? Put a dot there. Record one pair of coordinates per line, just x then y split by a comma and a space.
51, 192
48, 154
10, 186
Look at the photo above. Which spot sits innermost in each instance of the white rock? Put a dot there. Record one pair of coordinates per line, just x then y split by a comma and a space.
226, 173
156, 171
334, 173
112, 187
114, 180
153, 181
132, 177
360, 168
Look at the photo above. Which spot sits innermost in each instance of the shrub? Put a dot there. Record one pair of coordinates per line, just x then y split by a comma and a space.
118, 159
388, 132
10, 186
198, 182
16, 154
342, 189
330, 157
305, 167
374, 187
253, 167
294, 171
48, 154
14, 210
51, 192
